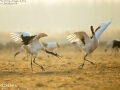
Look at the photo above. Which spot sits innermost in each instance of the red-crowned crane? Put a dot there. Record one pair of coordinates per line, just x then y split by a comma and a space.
32, 45
90, 43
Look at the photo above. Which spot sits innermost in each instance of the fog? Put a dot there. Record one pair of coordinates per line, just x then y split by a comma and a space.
58, 18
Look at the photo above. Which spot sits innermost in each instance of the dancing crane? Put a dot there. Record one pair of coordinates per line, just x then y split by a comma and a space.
32, 45
90, 43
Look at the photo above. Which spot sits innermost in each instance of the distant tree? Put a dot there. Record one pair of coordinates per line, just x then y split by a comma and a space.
12, 45
1, 46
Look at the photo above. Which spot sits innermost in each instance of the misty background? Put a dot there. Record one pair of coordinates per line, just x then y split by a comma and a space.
59, 18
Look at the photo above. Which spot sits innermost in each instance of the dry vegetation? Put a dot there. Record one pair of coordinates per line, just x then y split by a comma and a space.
61, 74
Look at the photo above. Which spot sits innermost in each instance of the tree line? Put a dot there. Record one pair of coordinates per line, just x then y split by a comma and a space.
9, 45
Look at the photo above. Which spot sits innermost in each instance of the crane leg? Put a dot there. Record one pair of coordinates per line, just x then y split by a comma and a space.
16, 54
88, 60
112, 51
105, 50
85, 60
38, 65
31, 64
117, 49
48, 55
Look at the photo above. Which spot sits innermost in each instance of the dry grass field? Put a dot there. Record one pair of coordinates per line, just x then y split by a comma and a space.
61, 74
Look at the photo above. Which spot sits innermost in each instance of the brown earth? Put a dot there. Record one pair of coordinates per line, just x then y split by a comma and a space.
61, 74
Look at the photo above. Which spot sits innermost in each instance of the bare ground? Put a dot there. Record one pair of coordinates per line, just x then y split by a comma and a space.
61, 74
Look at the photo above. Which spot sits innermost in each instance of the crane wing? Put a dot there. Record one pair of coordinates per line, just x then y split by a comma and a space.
38, 36
101, 28
17, 35
79, 36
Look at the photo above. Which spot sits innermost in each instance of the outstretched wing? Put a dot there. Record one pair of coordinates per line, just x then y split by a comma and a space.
101, 28
35, 41
17, 35
79, 36
38, 36
24, 36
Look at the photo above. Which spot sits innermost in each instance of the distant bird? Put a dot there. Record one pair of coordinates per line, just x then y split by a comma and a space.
32, 45
52, 46
90, 43
116, 45
109, 44
77, 45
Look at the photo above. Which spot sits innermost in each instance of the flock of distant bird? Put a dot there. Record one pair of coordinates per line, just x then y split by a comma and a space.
31, 44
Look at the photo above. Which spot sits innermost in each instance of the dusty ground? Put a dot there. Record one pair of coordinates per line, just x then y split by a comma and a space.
61, 74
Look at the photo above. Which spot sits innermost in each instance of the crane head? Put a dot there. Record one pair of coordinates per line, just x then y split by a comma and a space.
92, 30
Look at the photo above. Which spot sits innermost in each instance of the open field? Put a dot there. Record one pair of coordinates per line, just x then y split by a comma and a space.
61, 74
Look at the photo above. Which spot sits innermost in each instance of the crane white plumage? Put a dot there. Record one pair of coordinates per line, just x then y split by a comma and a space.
90, 43
31, 44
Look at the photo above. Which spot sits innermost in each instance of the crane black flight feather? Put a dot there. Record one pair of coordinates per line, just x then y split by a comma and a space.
26, 39
83, 40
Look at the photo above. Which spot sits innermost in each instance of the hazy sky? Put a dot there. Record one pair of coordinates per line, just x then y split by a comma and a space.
58, 14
